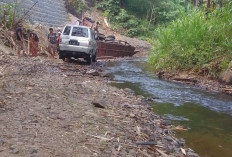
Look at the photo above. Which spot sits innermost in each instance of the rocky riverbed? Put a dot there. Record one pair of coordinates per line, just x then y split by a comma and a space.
54, 108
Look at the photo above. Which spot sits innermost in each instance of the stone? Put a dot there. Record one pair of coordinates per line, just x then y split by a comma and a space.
150, 143
181, 142
192, 154
168, 138
140, 97
33, 151
98, 105
128, 90
14, 150
170, 148
132, 152
166, 131
176, 144
2, 141
190, 150
155, 97
93, 72
152, 138
166, 122
131, 115
226, 77
2, 149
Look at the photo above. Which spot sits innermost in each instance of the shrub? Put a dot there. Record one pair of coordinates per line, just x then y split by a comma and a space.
76, 7
194, 42
9, 14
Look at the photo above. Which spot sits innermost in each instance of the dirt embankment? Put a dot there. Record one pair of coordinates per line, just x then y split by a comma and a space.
192, 78
52, 108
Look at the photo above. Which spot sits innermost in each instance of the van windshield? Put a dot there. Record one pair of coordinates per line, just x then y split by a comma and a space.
67, 30
80, 32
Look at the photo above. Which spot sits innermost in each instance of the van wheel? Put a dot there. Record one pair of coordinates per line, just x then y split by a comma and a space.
94, 58
61, 55
89, 59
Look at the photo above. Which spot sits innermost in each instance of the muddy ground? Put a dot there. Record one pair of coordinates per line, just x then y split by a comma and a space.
55, 108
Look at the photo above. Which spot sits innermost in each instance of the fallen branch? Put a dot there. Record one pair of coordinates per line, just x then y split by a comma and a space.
146, 143
162, 153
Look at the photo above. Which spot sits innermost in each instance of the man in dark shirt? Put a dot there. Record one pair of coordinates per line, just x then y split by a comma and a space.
52, 47
19, 41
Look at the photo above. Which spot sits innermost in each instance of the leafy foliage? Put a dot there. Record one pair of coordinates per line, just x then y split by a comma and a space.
195, 42
136, 17
76, 6
9, 13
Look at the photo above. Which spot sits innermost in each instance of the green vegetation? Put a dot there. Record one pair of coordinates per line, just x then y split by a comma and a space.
195, 41
9, 14
76, 7
138, 18
186, 34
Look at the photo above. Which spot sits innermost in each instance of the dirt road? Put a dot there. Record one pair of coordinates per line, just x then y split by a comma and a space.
51, 108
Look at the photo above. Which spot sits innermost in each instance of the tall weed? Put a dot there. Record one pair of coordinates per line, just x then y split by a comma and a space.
195, 42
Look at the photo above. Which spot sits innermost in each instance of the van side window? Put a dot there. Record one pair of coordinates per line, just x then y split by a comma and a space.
67, 30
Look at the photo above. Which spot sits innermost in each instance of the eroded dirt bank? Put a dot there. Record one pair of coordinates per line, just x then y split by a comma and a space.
197, 80
51, 108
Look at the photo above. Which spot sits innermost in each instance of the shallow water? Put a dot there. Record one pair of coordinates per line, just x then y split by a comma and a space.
208, 115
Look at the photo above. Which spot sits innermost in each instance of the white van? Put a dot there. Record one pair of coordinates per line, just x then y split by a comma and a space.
78, 42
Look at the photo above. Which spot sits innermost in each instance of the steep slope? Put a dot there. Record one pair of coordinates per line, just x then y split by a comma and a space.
48, 12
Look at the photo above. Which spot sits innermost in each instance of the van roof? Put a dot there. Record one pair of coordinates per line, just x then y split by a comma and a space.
77, 26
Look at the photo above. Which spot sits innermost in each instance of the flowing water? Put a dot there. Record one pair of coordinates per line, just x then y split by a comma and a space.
207, 115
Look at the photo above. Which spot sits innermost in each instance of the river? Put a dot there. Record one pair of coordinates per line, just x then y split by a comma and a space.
207, 115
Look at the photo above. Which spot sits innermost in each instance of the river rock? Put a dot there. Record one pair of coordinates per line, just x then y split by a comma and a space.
93, 72
128, 90
131, 115
166, 131
98, 104
33, 151
2, 141
14, 150
192, 154
226, 77
181, 142
166, 122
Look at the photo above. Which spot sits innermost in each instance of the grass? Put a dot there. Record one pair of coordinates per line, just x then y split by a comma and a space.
195, 42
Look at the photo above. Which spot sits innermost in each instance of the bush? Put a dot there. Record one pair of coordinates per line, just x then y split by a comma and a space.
194, 42
76, 7
9, 14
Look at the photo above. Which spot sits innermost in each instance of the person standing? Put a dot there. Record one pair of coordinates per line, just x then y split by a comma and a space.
96, 28
52, 47
58, 39
34, 40
19, 40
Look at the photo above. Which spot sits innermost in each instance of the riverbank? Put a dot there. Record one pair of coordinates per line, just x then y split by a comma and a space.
192, 78
52, 108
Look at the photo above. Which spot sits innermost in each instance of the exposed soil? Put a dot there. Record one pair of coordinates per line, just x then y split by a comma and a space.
197, 80
54, 108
